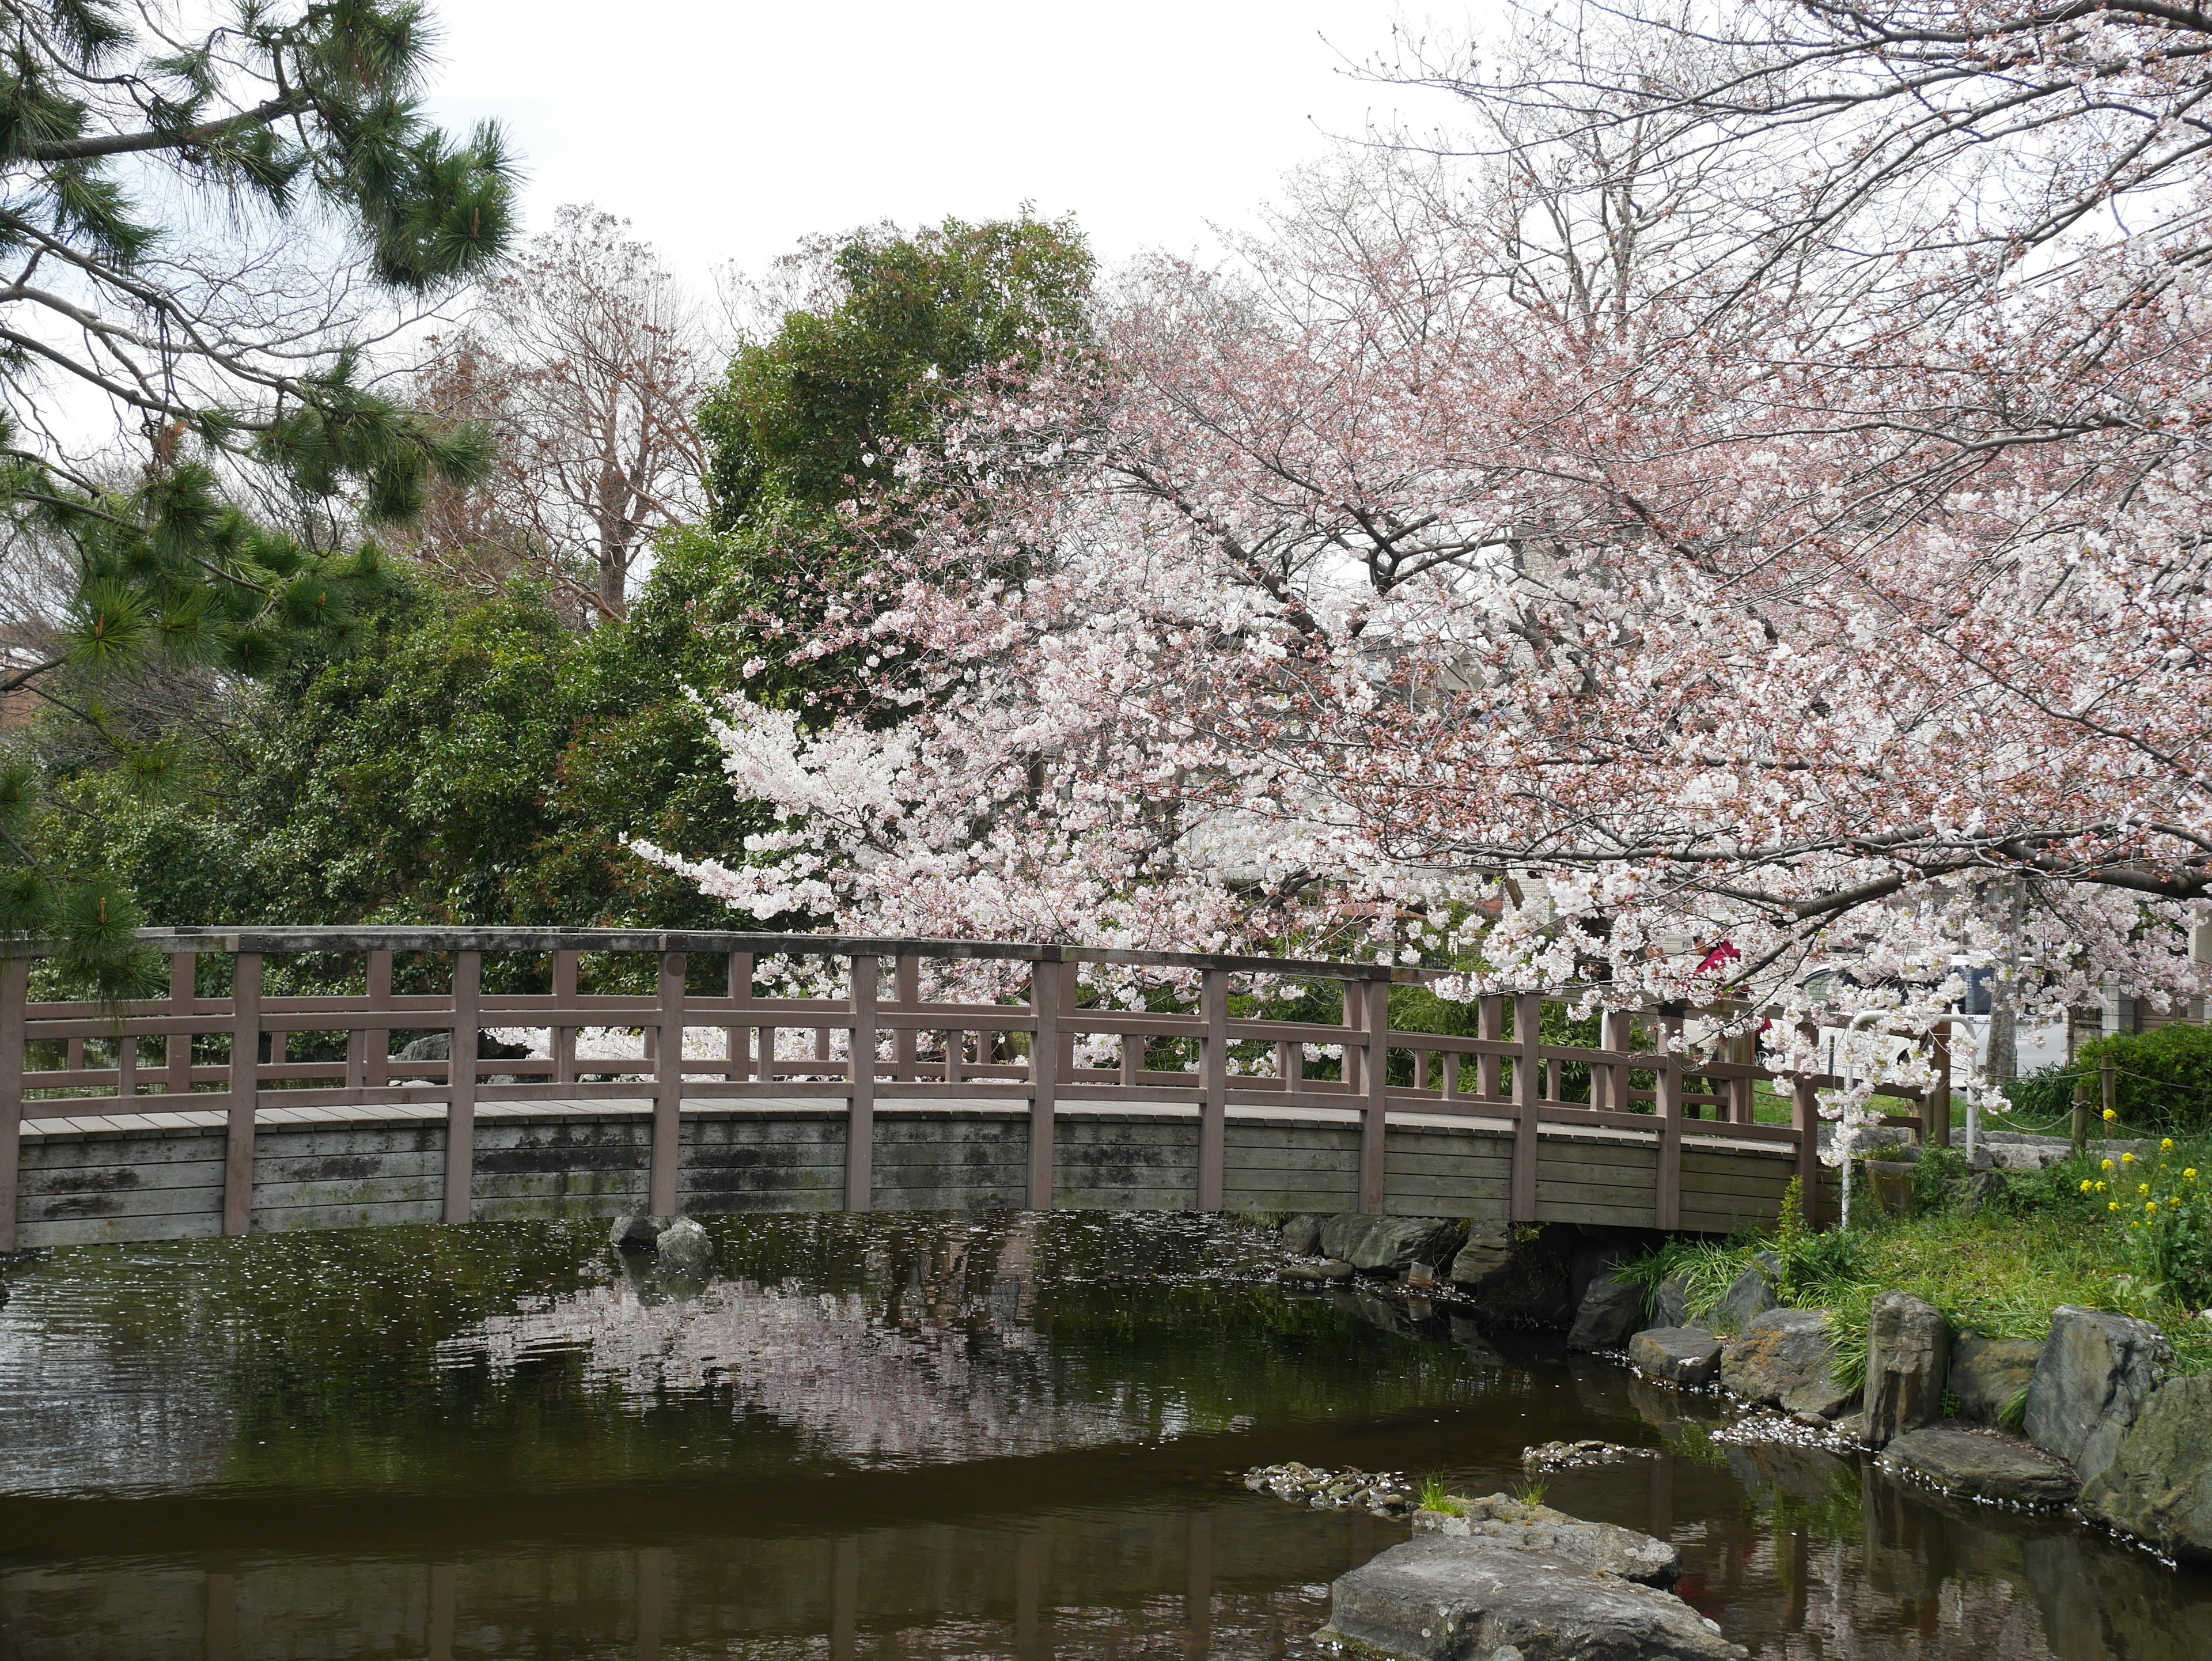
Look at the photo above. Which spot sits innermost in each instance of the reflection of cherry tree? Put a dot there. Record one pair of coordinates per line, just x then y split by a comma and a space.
948, 1383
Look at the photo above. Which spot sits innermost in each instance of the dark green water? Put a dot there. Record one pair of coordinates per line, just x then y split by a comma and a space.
879, 1438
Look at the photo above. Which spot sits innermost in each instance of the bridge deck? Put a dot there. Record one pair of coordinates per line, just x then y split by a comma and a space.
959, 1105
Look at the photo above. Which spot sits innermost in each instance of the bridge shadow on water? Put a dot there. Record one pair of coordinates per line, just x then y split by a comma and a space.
892, 1436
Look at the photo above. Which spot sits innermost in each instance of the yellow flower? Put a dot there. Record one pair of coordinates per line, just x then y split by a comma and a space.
2107, 1166
2127, 1159
2142, 1188
2190, 1173
2112, 1117
2085, 1184
2150, 1207
2114, 1206
2166, 1146
2101, 1187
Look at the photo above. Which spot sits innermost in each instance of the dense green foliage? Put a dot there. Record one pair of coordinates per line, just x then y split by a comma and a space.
2163, 1079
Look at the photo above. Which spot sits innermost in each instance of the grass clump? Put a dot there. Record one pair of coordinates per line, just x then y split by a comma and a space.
1435, 1496
1531, 1492
1999, 1269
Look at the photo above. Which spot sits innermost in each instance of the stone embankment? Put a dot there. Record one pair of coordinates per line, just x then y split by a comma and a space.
2102, 1427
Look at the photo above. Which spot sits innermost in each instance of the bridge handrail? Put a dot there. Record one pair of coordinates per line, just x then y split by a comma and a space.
1517, 1080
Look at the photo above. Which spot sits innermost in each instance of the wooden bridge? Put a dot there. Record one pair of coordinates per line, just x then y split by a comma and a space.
142, 1122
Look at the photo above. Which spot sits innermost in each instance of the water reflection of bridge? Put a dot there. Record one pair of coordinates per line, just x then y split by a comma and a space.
993, 1084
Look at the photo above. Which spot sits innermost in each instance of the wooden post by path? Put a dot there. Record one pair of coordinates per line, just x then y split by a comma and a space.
376, 1053
1668, 1200
906, 997
1609, 1083
860, 1119
176, 1049
1376, 1074
737, 1037
668, 1085
461, 1087
1489, 1069
1355, 1012
1936, 1103
1045, 984
245, 1060
1527, 1080
14, 994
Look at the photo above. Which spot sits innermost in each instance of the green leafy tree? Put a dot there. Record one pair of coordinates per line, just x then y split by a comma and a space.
236, 357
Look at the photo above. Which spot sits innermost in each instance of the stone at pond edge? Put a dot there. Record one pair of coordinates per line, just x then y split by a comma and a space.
1908, 1358
1685, 1357
1389, 1246
1302, 1235
1785, 1359
1980, 1464
2157, 1484
636, 1234
1986, 1373
1670, 1302
1752, 1295
1520, 1283
1603, 1546
1438, 1598
438, 1046
684, 1244
1329, 1268
1612, 1311
2096, 1373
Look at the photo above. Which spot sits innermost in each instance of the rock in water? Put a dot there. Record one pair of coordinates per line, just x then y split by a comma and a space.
1685, 1357
1524, 1283
1390, 1245
636, 1234
1786, 1359
2096, 1373
1978, 1464
1908, 1359
684, 1244
1987, 1373
2157, 1484
1616, 1550
1440, 1598
438, 1046
1670, 1302
1302, 1235
1611, 1311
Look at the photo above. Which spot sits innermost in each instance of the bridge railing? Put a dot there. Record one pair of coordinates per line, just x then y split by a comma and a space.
1025, 1052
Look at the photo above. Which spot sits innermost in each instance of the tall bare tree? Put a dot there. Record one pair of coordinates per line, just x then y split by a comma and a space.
588, 358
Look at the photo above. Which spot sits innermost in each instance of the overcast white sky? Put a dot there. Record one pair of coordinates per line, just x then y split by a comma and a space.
728, 131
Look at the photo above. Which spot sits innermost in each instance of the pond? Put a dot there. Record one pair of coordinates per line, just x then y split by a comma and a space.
880, 1437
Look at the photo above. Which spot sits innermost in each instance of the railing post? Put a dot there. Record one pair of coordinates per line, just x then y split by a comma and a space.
14, 995
565, 982
1528, 1093
1608, 1079
1213, 1082
245, 1059
1045, 984
176, 1050
861, 1121
1489, 1069
1667, 1199
1374, 1129
906, 996
667, 1087
461, 1086
1355, 1012
1805, 1116
376, 1059
737, 1042
1935, 1101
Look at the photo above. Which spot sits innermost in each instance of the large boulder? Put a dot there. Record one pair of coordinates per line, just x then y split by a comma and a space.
636, 1234
1785, 1359
1389, 1246
1526, 1282
1441, 1599
2157, 1484
1605, 1546
1670, 1302
1611, 1313
684, 1244
1908, 1358
1981, 1464
1988, 1373
1685, 1357
1302, 1234
1753, 1293
438, 1046
2095, 1374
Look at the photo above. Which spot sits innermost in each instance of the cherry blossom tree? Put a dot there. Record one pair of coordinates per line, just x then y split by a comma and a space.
1550, 572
